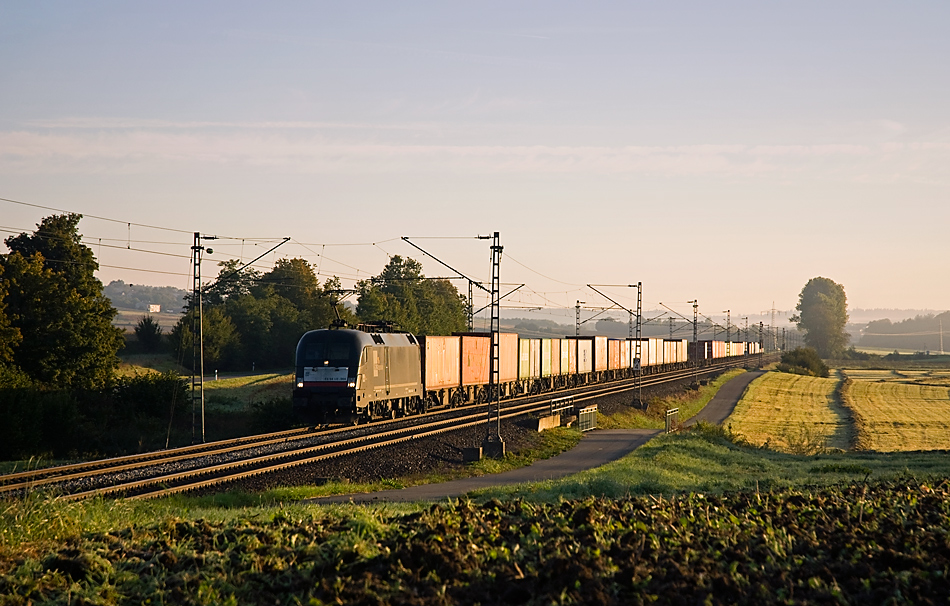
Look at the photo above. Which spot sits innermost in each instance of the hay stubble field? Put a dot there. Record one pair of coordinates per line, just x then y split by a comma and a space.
879, 410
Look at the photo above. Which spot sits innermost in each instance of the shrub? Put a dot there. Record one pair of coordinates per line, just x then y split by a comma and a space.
803, 361
152, 394
37, 422
149, 334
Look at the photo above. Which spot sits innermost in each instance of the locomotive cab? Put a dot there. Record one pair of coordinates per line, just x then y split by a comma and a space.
355, 375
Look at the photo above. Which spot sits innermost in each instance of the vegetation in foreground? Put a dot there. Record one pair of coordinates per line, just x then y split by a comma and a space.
700, 516
851, 541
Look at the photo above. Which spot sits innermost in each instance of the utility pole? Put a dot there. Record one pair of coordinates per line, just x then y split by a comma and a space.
671, 328
728, 313
941, 335
638, 369
577, 318
494, 445
197, 339
638, 374
695, 303
197, 328
746, 347
694, 359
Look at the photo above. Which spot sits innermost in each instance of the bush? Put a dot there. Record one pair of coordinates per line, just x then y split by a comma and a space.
149, 334
37, 423
276, 414
853, 354
153, 394
803, 361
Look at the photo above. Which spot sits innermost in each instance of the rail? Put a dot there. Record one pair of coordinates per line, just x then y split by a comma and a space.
335, 442
561, 404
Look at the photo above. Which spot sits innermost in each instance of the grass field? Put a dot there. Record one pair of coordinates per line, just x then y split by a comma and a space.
792, 413
759, 523
138, 364
127, 319
710, 460
689, 403
238, 392
901, 410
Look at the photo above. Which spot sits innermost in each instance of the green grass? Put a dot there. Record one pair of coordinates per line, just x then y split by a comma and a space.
142, 363
689, 403
40, 517
238, 392
710, 459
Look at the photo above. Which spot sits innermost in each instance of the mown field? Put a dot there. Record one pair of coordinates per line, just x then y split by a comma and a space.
900, 410
792, 413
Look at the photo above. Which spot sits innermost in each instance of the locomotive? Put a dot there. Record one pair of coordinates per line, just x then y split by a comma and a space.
359, 375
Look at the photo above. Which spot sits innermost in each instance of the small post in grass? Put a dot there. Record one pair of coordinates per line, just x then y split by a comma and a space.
672, 420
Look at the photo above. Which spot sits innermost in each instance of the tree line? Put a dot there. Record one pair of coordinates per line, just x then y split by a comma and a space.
920, 333
253, 319
59, 386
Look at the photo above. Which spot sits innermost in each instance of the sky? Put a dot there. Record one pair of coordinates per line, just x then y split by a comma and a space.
722, 152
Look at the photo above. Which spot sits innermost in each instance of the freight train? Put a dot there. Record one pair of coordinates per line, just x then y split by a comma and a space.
359, 376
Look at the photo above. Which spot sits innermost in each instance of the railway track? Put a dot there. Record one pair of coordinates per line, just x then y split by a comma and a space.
189, 468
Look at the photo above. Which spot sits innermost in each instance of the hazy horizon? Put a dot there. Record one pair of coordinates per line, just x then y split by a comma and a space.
726, 153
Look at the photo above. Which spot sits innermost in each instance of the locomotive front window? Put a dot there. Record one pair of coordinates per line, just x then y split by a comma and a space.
321, 352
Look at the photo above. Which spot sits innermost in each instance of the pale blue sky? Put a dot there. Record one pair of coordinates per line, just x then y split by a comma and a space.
723, 151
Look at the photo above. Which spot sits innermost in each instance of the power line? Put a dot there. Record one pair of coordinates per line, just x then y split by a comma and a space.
121, 222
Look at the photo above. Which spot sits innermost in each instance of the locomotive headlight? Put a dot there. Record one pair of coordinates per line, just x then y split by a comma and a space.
351, 384
299, 383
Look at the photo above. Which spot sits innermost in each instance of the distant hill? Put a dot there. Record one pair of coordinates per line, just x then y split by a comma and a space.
863, 316
139, 297
923, 332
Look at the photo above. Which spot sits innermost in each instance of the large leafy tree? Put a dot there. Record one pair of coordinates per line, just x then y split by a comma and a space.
220, 339
822, 316
10, 335
56, 303
266, 313
401, 294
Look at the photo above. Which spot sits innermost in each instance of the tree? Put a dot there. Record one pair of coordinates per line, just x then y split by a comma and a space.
149, 333
10, 335
220, 338
231, 282
55, 301
265, 313
401, 294
822, 315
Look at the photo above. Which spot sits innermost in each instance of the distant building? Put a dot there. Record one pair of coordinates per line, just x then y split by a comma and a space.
154, 309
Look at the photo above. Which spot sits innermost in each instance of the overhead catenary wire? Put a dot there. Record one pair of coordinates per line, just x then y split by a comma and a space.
129, 224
